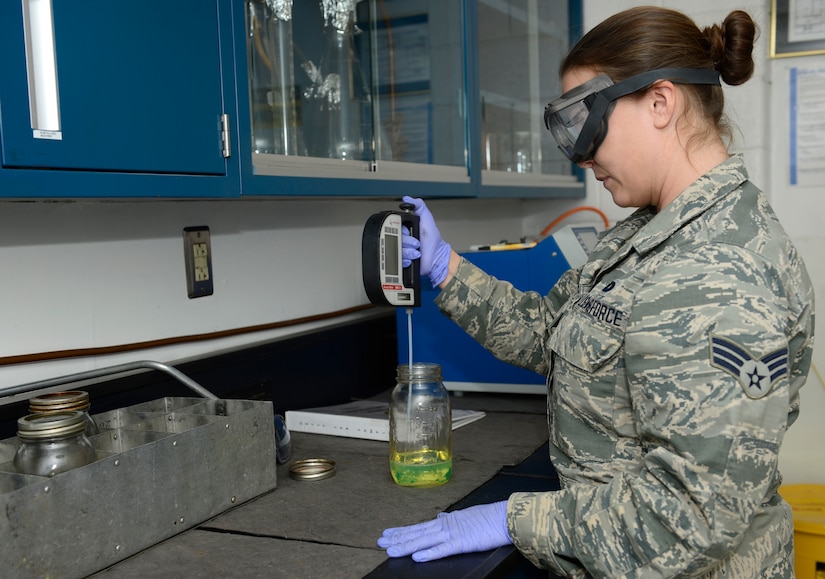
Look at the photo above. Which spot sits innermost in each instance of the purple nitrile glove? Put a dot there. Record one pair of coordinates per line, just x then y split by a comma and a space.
433, 250
409, 247
478, 528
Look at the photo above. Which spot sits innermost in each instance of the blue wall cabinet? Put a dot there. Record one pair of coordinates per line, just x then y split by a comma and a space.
116, 98
250, 98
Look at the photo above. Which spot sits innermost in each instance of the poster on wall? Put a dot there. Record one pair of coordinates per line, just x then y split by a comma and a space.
807, 126
797, 28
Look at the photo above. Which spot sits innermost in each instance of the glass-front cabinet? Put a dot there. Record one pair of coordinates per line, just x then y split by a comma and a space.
446, 96
520, 46
372, 90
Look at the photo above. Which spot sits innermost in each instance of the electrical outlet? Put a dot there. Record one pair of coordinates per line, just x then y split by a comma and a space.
198, 258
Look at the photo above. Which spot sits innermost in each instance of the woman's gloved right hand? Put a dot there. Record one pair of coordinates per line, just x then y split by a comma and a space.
477, 528
433, 251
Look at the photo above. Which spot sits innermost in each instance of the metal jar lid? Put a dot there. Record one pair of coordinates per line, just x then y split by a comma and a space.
312, 469
38, 427
59, 401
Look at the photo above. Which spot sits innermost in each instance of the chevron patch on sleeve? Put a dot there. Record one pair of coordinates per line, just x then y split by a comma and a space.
756, 376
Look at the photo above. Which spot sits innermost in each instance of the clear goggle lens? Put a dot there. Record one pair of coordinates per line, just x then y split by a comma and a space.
566, 126
565, 116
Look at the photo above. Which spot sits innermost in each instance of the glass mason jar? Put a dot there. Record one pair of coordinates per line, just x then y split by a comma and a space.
52, 443
420, 427
62, 402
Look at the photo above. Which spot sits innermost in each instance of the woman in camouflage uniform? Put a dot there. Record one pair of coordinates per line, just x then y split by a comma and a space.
674, 356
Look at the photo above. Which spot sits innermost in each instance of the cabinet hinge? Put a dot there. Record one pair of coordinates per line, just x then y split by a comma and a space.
226, 147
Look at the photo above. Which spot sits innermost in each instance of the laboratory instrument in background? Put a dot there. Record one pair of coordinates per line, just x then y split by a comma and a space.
385, 281
529, 265
420, 427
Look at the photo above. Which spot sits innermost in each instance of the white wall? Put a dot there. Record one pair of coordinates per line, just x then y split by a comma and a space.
91, 274
759, 108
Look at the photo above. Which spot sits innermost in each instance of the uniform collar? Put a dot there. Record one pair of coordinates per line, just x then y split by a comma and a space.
700, 195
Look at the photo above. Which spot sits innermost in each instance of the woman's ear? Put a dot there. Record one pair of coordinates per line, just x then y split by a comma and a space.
662, 98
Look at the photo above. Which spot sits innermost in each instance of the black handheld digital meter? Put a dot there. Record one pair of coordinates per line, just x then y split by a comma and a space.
385, 280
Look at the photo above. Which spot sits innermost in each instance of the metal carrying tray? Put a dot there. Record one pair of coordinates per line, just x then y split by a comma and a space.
162, 467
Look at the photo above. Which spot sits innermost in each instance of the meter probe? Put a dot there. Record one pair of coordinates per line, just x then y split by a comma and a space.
385, 281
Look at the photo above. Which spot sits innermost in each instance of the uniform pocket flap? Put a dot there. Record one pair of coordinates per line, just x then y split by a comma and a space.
589, 334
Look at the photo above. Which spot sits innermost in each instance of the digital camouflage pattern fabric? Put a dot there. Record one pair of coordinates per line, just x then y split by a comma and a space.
674, 360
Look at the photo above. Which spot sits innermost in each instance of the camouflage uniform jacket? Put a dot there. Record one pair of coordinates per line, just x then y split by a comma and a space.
674, 359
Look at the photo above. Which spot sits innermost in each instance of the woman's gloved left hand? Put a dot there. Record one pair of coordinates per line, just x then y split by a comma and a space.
478, 528
410, 247
431, 248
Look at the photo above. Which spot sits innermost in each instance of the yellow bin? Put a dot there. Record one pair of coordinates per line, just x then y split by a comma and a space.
808, 504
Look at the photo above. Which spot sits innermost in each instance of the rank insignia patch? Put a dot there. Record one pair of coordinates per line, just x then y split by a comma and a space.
755, 375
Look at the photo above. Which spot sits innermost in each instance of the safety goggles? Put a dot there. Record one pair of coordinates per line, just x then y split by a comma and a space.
578, 118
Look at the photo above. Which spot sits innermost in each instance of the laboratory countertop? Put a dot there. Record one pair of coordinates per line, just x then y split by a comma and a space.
329, 528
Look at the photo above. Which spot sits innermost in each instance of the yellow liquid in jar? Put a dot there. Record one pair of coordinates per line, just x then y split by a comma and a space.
425, 468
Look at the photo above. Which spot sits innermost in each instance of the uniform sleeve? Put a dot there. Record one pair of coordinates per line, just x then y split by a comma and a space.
511, 324
715, 351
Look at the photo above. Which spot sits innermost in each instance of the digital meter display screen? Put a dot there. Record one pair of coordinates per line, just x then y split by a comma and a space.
391, 255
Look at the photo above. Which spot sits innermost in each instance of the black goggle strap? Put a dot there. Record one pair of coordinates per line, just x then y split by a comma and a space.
628, 86
587, 135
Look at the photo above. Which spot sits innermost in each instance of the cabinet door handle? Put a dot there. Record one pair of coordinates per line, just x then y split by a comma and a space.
226, 143
41, 66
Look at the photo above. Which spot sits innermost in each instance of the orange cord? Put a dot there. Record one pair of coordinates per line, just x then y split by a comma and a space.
567, 214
